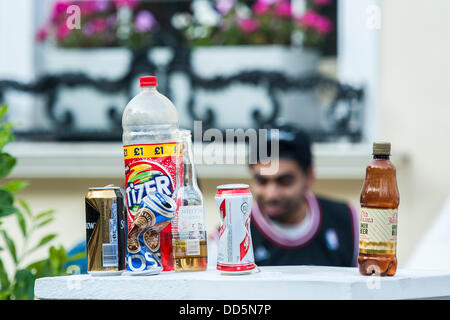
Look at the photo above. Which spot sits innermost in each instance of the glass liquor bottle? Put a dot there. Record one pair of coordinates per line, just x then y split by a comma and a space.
189, 237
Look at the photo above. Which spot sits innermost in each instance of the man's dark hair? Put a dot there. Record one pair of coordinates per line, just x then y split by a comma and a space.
294, 144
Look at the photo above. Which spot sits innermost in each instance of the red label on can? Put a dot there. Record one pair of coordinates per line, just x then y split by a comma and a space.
245, 244
223, 214
235, 250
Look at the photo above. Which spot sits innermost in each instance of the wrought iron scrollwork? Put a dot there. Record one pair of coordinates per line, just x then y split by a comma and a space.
49, 86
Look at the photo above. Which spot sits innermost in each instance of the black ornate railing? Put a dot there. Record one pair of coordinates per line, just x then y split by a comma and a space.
345, 106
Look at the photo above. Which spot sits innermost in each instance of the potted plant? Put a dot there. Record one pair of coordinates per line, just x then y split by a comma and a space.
17, 272
100, 47
265, 35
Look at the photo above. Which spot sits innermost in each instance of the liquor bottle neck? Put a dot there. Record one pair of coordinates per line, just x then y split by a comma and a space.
381, 157
189, 174
190, 177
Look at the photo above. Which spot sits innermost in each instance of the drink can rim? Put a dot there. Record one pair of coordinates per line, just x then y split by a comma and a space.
233, 186
104, 188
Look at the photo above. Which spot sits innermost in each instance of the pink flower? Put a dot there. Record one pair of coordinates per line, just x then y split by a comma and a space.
308, 19
224, 6
111, 20
324, 26
99, 24
42, 34
132, 4
283, 9
145, 21
96, 26
86, 7
63, 32
248, 25
311, 19
88, 29
261, 6
100, 5
59, 9
93, 6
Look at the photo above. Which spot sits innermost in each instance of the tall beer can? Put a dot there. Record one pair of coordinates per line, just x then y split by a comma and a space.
106, 231
235, 249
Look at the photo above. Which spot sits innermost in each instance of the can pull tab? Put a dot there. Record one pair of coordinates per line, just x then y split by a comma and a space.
109, 185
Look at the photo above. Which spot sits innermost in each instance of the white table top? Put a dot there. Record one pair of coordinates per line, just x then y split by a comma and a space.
271, 283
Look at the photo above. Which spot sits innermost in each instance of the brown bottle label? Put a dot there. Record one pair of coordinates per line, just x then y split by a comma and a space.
378, 231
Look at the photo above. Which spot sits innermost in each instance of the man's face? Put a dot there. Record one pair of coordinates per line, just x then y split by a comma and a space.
281, 194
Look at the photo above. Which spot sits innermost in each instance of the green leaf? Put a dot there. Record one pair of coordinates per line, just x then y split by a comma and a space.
58, 257
6, 134
45, 222
22, 223
6, 203
51, 266
24, 285
15, 186
6, 211
4, 280
26, 207
11, 246
44, 214
46, 239
7, 162
38, 268
79, 255
5, 295
42, 242
6, 198
3, 110
43, 218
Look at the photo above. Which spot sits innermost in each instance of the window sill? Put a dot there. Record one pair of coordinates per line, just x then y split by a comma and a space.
104, 160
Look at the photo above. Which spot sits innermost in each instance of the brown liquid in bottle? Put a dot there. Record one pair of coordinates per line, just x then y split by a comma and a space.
378, 221
183, 261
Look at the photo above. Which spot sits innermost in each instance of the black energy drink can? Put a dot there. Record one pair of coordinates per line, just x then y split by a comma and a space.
106, 231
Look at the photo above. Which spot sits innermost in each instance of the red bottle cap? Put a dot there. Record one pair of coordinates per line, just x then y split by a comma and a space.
149, 81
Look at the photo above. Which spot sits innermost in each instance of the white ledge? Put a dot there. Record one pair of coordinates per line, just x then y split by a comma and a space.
105, 160
273, 283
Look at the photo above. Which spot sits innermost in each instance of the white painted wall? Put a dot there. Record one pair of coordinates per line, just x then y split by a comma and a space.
17, 53
358, 60
414, 108
409, 99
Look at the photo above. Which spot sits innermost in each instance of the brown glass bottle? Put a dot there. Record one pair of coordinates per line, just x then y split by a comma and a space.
378, 219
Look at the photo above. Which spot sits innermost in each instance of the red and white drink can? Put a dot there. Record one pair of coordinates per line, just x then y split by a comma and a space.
235, 249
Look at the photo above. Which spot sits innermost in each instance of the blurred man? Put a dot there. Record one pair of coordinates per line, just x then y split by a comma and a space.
292, 226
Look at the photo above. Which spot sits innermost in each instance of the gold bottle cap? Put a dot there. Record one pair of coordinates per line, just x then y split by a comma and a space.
382, 148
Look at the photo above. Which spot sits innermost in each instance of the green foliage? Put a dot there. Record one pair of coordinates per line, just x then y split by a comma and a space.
19, 282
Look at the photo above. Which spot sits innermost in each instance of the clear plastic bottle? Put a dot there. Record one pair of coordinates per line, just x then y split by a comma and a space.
150, 125
149, 116
189, 229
